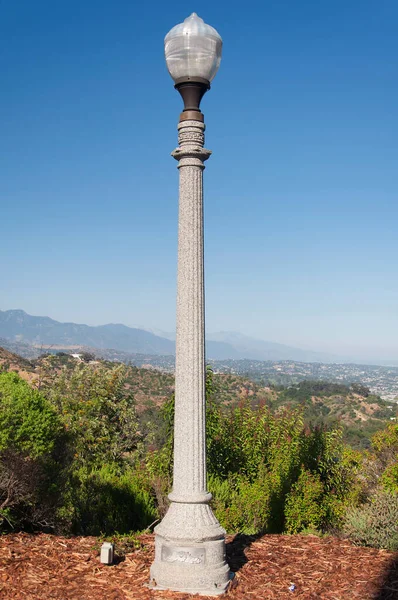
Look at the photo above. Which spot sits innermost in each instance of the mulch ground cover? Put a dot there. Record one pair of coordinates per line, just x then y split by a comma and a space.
46, 567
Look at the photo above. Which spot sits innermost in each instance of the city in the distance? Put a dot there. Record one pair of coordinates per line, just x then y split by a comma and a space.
228, 352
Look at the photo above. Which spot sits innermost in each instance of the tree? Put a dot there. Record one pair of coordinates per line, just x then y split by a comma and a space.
97, 411
31, 442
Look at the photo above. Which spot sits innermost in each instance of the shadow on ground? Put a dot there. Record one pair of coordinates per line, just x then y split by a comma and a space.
389, 587
236, 556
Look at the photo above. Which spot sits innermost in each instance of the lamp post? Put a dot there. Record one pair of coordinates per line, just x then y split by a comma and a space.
189, 542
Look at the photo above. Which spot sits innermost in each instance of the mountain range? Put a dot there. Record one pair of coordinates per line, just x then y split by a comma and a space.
22, 330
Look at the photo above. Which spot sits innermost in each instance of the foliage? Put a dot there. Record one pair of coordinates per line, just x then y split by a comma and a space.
31, 462
28, 423
359, 435
124, 543
381, 462
87, 356
88, 480
259, 464
78, 450
375, 523
389, 478
307, 388
96, 411
107, 491
159, 462
360, 389
386, 441
106, 499
305, 504
241, 505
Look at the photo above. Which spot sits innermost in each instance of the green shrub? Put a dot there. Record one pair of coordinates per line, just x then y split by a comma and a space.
267, 472
389, 478
381, 462
32, 456
241, 505
386, 440
260, 464
106, 500
158, 466
97, 411
28, 423
304, 507
375, 523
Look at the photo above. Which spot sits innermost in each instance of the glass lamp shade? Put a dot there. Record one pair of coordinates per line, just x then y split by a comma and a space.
193, 50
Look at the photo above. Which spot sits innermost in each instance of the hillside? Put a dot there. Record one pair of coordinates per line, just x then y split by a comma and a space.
359, 412
12, 362
45, 331
22, 349
383, 381
150, 386
354, 407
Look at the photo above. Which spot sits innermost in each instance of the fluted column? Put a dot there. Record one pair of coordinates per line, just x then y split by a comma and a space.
190, 446
190, 543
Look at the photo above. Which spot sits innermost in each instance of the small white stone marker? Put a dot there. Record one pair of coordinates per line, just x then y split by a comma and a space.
107, 553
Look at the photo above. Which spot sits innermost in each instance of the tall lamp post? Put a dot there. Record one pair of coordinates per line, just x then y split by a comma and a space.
190, 543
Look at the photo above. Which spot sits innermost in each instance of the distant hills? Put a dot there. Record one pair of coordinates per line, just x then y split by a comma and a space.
254, 349
20, 348
18, 326
21, 330
29, 337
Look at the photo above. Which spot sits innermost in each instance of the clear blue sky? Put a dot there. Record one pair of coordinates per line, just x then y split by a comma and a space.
301, 190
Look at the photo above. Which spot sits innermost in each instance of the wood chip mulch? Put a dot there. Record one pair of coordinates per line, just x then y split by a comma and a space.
46, 567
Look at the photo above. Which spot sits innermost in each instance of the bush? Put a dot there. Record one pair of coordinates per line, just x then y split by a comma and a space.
305, 504
390, 478
269, 472
381, 462
376, 523
53, 468
106, 500
32, 459
241, 505
71, 456
28, 423
97, 411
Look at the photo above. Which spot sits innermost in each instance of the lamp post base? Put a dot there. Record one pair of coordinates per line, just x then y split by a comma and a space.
190, 552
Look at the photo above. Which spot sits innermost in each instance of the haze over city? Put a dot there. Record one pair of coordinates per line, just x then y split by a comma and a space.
300, 192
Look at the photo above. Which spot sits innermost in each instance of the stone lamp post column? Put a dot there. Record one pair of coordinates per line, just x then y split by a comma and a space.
189, 542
